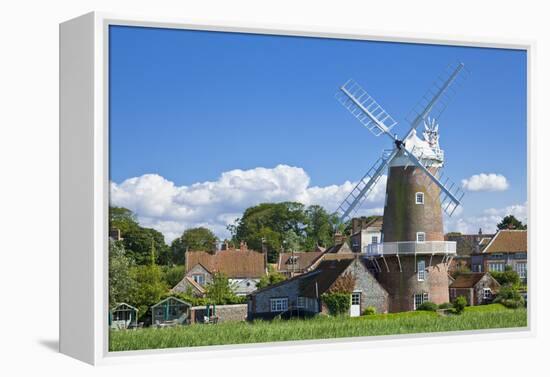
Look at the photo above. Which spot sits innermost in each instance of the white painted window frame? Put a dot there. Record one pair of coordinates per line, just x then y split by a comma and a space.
416, 197
421, 270
278, 304
423, 234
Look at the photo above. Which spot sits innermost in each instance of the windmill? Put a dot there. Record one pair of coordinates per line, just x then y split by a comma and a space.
412, 260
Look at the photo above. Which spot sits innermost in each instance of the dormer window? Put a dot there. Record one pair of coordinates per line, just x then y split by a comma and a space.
292, 260
419, 198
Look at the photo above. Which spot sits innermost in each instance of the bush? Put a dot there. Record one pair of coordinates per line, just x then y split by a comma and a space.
510, 297
508, 277
427, 306
445, 305
459, 304
337, 303
369, 310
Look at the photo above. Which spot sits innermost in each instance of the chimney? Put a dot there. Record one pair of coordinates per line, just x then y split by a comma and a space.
338, 238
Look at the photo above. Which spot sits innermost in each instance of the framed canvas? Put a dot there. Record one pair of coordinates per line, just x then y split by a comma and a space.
214, 196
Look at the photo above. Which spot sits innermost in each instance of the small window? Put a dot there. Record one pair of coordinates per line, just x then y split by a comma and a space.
374, 239
420, 237
496, 267
293, 260
521, 269
199, 278
279, 304
419, 299
487, 293
419, 197
301, 303
356, 298
421, 270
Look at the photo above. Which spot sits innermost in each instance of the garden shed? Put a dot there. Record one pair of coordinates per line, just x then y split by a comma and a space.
170, 311
123, 316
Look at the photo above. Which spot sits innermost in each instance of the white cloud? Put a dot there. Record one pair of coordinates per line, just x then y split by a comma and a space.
485, 182
487, 220
171, 209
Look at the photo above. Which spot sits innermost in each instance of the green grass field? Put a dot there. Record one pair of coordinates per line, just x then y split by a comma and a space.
474, 318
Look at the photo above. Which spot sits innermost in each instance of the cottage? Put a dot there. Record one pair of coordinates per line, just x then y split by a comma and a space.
242, 267
476, 287
301, 295
170, 311
365, 231
506, 248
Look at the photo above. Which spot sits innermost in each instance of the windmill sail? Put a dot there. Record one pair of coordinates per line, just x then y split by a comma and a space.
436, 99
361, 191
363, 107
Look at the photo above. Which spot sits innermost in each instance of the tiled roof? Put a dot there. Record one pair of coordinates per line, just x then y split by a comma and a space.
231, 263
317, 281
508, 241
329, 271
302, 260
468, 280
342, 248
181, 286
467, 244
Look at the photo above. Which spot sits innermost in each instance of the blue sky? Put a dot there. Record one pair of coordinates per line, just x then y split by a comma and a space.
188, 106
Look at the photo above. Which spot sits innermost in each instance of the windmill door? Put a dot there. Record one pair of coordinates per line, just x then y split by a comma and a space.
355, 308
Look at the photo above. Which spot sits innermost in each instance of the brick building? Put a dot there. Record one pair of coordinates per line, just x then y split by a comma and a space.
243, 267
301, 295
506, 248
476, 287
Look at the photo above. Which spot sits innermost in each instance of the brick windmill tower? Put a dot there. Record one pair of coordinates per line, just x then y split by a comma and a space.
412, 260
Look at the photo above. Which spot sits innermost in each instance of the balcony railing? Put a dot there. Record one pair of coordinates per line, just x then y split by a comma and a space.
411, 248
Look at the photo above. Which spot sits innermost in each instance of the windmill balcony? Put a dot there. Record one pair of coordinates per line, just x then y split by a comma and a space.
412, 248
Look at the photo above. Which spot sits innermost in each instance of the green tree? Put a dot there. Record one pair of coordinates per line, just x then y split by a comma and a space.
270, 279
121, 283
172, 275
193, 239
510, 222
219, 291
150, 286
137, 240
267, 224
319, 228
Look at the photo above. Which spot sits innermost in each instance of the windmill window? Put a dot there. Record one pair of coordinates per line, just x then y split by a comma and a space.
420, 237
419, 198
421, 270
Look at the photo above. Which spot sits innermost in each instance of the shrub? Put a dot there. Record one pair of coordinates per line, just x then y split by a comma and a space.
510, 297
508, 277
459, 304
369, 310
337, 303
445, 305
427, 306
270, 279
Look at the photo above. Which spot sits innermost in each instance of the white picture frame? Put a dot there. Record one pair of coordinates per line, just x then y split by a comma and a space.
84, 187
